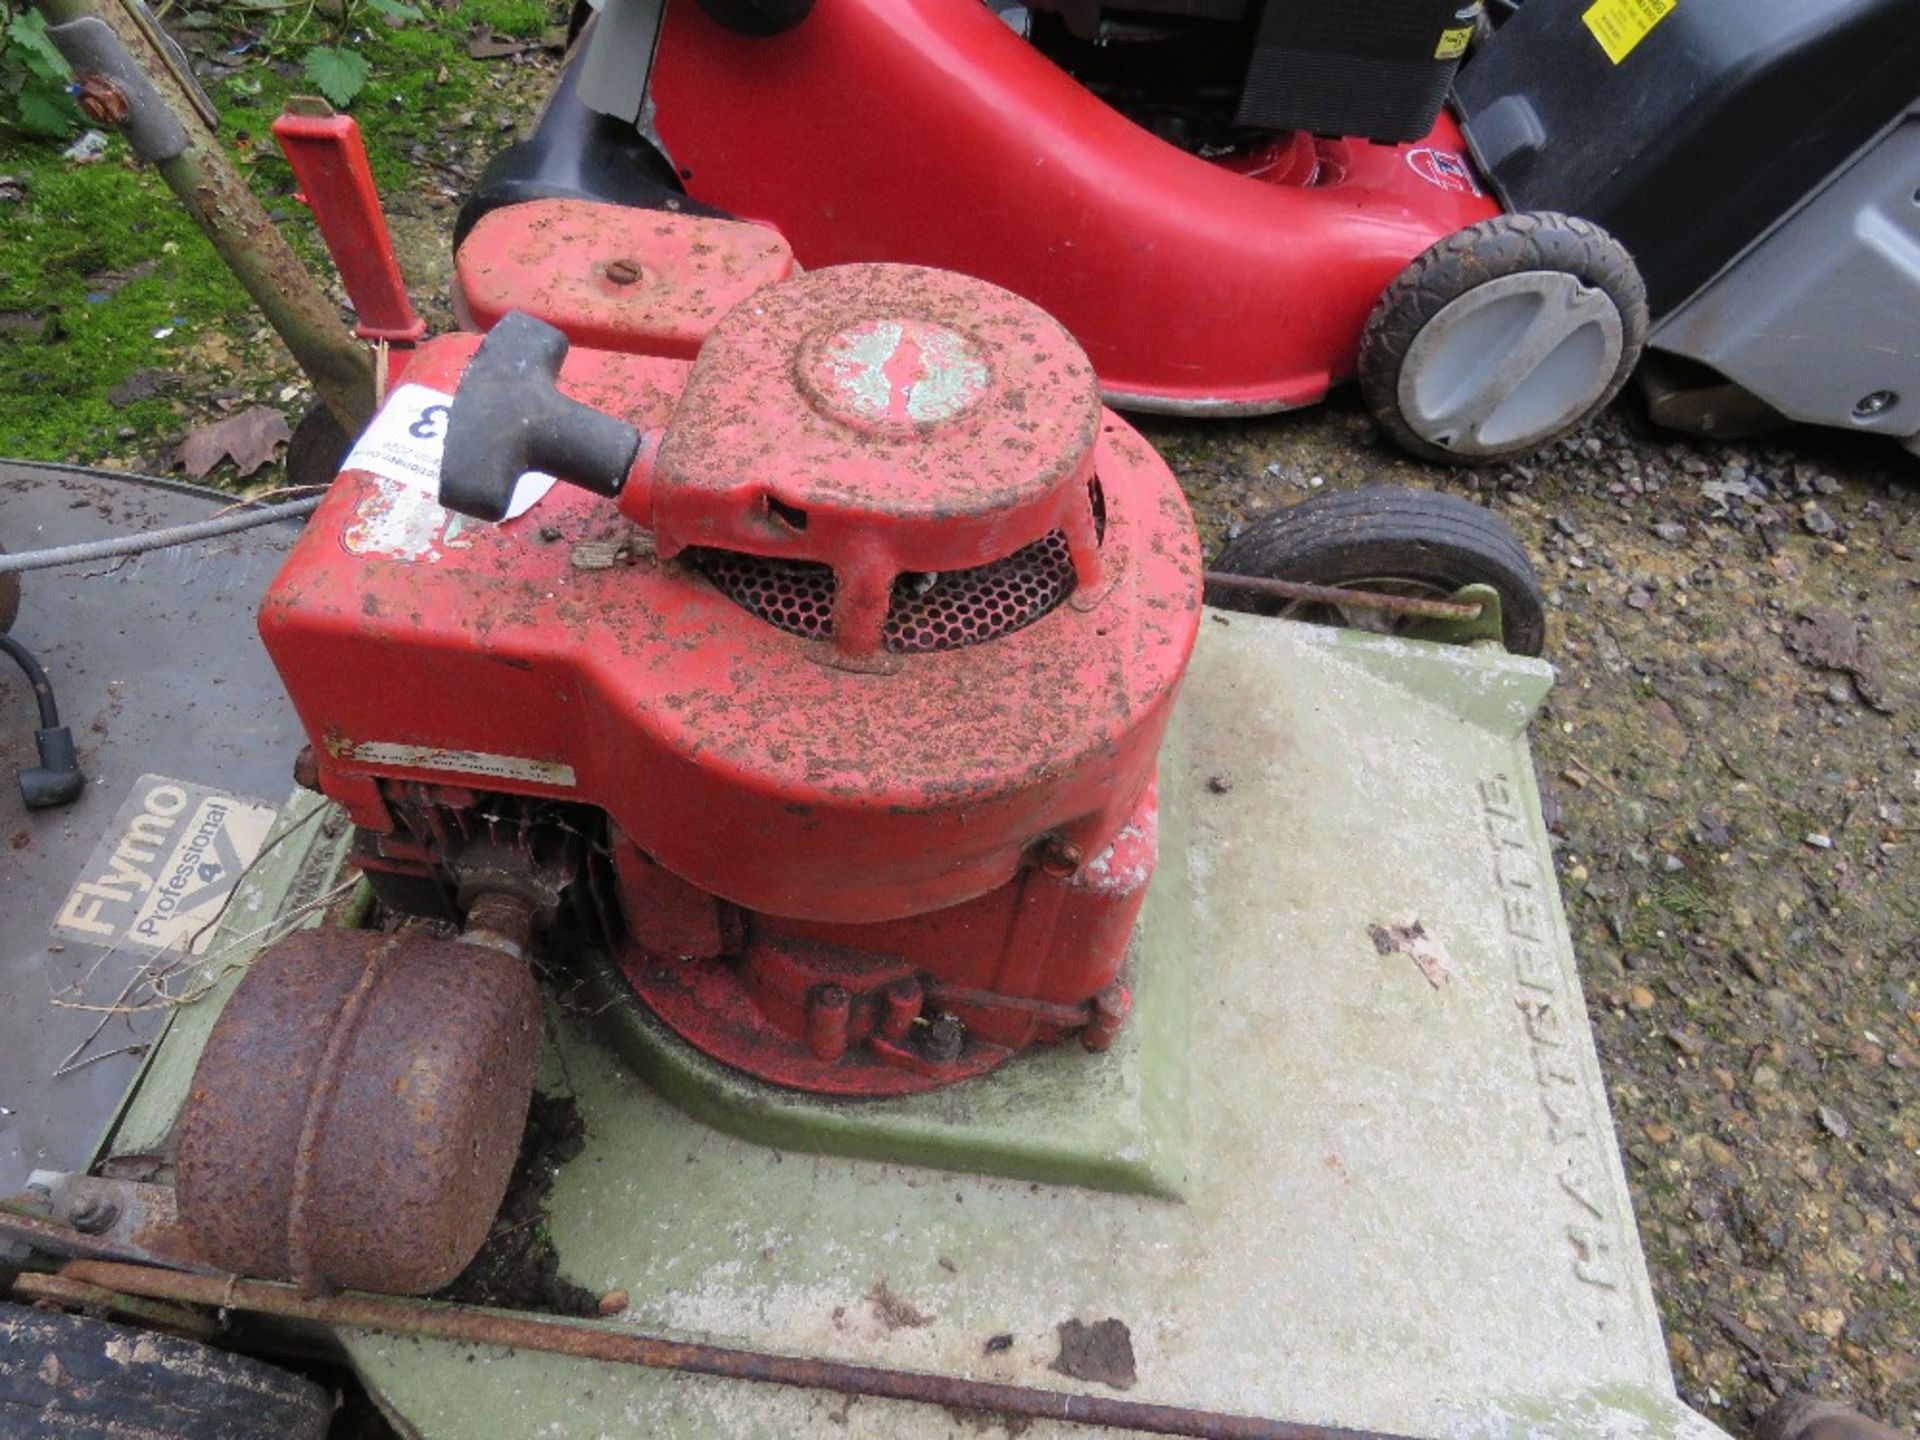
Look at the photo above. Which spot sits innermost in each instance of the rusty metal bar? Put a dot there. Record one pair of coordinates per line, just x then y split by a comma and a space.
1268, 589
197, 170
432, 1320
50, 1237
77, 1295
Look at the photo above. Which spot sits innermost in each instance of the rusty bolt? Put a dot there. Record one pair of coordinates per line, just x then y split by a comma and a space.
942, 1041
93, 1214
1058, 856
500, 921
623, 272
306, 769
103, 100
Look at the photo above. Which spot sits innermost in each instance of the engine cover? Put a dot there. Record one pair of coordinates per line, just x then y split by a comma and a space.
866, 674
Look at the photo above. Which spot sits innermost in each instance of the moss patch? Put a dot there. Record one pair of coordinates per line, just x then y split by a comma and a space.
103, 276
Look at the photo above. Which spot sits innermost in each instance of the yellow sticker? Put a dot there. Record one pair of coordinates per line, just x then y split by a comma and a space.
1453, 43
1619, 25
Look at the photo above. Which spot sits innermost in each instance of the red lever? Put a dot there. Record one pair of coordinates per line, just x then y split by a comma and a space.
330, 164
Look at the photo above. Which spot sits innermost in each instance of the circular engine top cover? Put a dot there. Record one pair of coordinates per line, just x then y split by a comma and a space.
883, 420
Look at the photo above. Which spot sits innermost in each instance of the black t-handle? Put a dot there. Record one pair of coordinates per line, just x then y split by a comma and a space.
508, 419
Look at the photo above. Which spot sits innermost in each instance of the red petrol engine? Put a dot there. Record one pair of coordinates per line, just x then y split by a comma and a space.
831, 683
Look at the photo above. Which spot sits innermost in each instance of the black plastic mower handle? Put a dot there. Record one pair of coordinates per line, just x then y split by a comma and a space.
508, 418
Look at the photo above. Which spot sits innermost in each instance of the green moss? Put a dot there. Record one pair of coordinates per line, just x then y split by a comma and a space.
74, 330
72, 327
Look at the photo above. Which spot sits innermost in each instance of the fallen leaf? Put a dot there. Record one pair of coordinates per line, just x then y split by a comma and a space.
1822, 637
141, 385
485, 45
1411, 939
105, 284
248, 439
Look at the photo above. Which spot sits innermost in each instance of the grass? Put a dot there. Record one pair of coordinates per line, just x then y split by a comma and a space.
73, 327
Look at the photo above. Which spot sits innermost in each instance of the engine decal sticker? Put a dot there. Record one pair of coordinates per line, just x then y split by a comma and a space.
1620, 25
400, 516
461, 762
162, 873
1448, 169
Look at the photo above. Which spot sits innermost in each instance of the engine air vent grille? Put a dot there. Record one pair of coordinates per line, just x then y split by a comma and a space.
930, 612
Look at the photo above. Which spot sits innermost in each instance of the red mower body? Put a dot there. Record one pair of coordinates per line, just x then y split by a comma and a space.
867, 671
927, 131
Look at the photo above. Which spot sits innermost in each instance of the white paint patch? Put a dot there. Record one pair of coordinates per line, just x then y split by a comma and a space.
401, 518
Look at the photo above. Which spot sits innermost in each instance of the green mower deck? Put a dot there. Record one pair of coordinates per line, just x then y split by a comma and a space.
1324, 1178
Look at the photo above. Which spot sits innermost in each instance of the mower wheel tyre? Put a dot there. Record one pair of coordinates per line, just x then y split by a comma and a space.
319, 446
9, 598
68, 1376
1502, 337
1392, 541
757, 17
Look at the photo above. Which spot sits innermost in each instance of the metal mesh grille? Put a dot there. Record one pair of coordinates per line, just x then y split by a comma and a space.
929, 612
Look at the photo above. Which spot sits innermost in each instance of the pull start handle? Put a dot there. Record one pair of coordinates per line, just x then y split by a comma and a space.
508, 418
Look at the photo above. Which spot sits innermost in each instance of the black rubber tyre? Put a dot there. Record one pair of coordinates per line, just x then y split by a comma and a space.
757, 17
9, 598
320, 442
1384, 533
1540, 244
66, 1376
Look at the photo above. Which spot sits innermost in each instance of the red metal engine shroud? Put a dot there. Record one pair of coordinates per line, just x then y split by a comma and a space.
875, 825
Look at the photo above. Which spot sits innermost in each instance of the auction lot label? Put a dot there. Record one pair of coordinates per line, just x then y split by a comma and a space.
168, 862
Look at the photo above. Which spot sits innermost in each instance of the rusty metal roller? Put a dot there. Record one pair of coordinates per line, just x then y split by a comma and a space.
354, 1118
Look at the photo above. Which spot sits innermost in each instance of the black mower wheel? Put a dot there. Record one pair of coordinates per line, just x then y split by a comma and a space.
9, 598
757, 17
1502, 337
319, 444
1394, 541
63, 1377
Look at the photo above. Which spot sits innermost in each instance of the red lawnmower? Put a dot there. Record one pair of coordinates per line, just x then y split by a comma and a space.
1231, 211
1235, 204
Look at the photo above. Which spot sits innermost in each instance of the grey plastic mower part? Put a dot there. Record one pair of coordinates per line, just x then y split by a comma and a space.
1511, 363
1818, 318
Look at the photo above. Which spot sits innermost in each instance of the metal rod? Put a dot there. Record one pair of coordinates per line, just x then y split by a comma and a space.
77, 1295
466, 1325
1334, 595
214, 194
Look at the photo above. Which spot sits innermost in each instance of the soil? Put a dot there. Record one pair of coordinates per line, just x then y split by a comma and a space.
518, 1268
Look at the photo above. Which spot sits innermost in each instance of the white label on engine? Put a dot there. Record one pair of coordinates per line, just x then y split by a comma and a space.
405, 441
462, 762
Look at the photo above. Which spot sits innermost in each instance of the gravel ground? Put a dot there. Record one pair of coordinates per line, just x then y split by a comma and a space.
1727, 760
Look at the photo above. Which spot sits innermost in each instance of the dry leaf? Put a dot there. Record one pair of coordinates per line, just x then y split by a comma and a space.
485, 45
1824, 638
1412, 940
248, 439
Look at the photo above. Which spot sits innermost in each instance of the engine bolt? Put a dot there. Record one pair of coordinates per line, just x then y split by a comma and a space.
942, 1041
93, 1214
103, 100
1058, 856
623, 272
